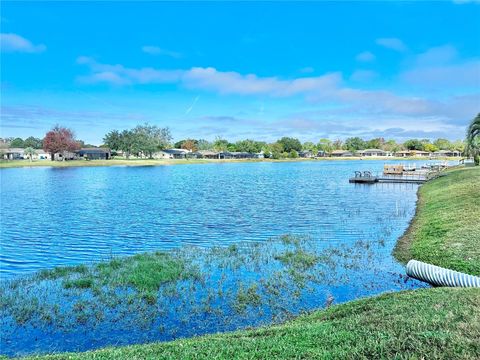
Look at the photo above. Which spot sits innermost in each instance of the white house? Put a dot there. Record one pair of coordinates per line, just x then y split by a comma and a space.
171, 154
341, 153
374, 152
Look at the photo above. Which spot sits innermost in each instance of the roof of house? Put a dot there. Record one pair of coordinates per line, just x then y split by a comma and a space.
175, 151
412, 151
14, 150
340, 151
207, 152
373, 150
93, 151
446, 151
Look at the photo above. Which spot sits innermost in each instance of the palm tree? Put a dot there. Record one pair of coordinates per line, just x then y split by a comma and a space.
29, 151
473, 139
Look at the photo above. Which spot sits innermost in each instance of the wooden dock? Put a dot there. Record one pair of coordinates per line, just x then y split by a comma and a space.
419, 177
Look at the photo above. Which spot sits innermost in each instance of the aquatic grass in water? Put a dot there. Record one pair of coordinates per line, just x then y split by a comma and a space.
186, 292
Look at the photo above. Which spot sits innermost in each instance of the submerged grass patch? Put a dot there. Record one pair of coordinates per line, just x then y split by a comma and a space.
144, 272
430, 324
190, 291
446, 229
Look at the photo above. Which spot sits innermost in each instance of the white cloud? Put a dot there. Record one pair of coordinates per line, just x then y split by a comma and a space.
441, 67
459, 75
437, 55
16, 43
365, 56
155, 50
328, 89
209, 78
392, 43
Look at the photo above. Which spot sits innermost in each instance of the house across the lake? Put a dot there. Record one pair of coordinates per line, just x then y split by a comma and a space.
12, 154
412, 153
39, 155
374, 152
65, 155
447, 153
203, 154
341, 153
94, 153
171, 154
305, 154
242, 155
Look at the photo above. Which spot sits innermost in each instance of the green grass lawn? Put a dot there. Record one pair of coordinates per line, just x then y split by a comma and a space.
446, 228
423, 324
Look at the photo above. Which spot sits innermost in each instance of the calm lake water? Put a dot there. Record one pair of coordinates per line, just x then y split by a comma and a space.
67, 216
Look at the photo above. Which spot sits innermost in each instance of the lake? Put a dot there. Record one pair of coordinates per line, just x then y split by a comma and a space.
69, 216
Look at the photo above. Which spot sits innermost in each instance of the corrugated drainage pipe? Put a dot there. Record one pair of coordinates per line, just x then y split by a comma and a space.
438, 276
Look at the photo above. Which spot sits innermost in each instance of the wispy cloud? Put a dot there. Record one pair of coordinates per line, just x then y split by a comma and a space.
155, 50
365, 56
209, 79
15, 43
441, 66
437, 55
327, 88
392, 43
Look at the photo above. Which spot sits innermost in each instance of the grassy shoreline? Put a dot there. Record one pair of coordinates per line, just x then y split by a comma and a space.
445, 230
5, 164
437, 323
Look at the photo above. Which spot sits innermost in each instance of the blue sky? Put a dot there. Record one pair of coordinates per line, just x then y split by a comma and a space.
242, 70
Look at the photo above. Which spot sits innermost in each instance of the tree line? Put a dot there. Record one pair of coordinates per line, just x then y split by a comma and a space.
145, 140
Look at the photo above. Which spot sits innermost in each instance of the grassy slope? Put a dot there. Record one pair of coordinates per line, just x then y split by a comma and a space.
446, 228
442, 323
433, 323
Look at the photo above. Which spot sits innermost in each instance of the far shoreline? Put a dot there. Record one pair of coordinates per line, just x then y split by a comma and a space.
6, 164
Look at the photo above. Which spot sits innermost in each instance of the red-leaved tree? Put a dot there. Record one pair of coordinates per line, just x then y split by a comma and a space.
60, 140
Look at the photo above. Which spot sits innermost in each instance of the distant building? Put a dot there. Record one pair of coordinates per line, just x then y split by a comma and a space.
374, 152
447, 153
94, 153
13, 153
204, 154
225, 155
305, 154
65, 155
171, 154
40, 155
341, 153
242, 155
412, 153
